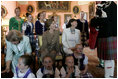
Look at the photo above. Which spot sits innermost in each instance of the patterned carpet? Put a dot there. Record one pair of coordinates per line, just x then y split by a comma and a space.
92, 62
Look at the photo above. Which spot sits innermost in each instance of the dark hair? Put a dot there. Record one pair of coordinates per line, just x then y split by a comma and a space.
69, 23
53, 17
69, 55
14, 35
16, 9
27, 14
49, 22
46, 56
38, 15
27, 60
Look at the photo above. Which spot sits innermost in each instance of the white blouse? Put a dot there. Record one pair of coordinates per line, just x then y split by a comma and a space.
43, 28
25, 25
21, 75
69, 40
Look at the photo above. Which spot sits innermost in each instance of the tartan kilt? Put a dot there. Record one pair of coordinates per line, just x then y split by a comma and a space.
86, 75
107, 48
32, 42
84, 38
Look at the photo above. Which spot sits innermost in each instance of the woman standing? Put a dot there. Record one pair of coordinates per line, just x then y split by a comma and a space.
106, 23
40, 27
17, 45
70, 37
83, 27
16, 22
28, 28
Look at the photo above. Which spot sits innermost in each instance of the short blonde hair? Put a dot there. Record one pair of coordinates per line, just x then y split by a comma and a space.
14, 35
78, 45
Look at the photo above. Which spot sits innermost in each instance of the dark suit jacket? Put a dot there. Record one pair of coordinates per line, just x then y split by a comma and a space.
39, 28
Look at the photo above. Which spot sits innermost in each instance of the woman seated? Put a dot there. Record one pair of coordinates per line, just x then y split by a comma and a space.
50, 40
70, 37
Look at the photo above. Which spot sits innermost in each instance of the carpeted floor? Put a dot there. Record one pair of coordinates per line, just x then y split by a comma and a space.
92, 62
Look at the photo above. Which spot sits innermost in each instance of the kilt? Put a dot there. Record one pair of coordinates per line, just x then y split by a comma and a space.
32, 42
86, 75
83, 39
107, 48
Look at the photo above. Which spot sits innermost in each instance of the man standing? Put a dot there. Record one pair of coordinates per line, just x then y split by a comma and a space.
106, 23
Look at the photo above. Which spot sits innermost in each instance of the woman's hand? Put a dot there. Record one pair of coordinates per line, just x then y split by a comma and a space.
7, 67
7, 70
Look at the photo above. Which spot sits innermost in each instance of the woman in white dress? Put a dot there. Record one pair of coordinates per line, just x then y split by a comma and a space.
70, 37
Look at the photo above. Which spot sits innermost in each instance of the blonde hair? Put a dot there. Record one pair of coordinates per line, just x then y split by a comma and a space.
14, 35
78, 45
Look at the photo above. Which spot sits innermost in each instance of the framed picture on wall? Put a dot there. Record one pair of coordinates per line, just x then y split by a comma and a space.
3, 11
76, 9
30, 9
62, 6
67, 16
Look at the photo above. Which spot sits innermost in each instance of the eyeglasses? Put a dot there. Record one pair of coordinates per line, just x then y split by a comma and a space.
80, 48
47, 61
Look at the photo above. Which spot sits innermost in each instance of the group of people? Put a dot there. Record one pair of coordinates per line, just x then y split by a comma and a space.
21, 41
